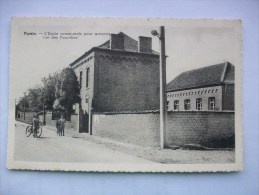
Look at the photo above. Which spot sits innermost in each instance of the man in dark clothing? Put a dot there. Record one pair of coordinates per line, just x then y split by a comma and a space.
62, 125
57, 126
35, 125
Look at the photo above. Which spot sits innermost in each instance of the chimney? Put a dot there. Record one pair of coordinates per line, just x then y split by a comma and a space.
145, 44
117, 41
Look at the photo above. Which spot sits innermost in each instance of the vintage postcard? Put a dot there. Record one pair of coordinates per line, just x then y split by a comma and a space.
125, 94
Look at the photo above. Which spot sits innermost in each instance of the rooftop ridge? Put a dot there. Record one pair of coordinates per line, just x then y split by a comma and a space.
204, 76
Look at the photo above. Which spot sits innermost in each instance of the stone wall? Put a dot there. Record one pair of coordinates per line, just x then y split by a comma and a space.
25, 116
69, 125
210, 129
140, 129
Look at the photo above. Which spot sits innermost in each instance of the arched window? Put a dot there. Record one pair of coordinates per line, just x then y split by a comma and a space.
87, 77
80, 79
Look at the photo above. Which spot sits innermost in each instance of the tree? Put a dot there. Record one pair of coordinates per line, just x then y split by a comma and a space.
49, 90
35, 99
23, 103
59, 91
67, 91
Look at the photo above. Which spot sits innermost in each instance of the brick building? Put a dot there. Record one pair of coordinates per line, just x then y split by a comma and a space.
209, 88
122, 74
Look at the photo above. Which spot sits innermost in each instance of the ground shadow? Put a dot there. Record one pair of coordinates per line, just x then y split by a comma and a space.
43, 137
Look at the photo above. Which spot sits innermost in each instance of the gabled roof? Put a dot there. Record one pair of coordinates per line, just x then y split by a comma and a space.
207, 76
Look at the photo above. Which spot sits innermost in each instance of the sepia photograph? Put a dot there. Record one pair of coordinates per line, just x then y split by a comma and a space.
125, 94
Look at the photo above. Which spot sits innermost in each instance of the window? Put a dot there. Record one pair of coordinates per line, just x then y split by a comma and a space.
167, 104
199, 104
176, 105
87, 77
80, 79
212, 103
187, 104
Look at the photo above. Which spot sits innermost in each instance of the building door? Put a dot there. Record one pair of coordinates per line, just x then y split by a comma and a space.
83, 122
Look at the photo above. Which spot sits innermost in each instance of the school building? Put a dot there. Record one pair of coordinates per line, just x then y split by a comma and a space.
210, 88
119, 82
120, 75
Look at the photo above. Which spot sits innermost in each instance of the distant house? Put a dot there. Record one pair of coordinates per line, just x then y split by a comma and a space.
209, 88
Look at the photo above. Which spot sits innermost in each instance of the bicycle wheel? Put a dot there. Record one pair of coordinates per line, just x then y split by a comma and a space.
39, 131
28, 131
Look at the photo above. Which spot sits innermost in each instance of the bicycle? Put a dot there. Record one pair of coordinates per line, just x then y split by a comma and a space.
29, 131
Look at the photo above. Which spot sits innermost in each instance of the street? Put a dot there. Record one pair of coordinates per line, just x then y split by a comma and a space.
52, 148
75, 147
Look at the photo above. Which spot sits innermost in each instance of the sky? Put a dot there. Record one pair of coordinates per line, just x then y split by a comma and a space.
190, 44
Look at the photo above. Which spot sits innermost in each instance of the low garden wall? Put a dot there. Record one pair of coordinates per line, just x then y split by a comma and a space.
69, 125
136, 128
210, 129
25, 116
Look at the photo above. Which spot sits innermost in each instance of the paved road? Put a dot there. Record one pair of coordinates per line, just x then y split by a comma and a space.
52, 148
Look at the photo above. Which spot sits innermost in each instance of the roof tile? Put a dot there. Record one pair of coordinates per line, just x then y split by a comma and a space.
206, 76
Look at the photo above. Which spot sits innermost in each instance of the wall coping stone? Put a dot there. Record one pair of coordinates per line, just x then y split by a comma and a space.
127, 112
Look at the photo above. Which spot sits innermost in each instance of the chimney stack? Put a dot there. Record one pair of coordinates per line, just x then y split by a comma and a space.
117, 41
145, 44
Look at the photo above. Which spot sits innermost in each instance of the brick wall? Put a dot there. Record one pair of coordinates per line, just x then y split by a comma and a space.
211, 129
145, 44
126, 81
117, 41
119, 81
228, 97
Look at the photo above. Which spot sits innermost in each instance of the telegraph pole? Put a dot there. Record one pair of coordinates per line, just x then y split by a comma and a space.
15, 111
162, 77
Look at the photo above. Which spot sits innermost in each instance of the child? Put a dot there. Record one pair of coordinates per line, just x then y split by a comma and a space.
57, 126
62, 125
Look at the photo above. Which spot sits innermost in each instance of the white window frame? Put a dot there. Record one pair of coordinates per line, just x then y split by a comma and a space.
198, 104
187, 102
211, 103
176, 104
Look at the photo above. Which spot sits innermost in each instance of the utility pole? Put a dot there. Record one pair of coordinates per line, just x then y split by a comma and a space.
43, 106
90, 116
162, 77
15, 111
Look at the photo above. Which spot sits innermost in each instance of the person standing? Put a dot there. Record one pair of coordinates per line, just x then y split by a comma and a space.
35, 125
57, 126
62, 125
